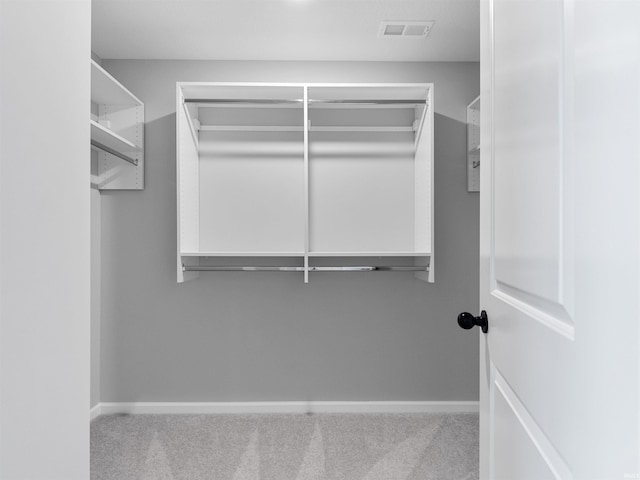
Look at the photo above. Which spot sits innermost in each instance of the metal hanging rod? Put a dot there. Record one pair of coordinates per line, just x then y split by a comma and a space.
113, 152
240, 101
369, 102
270, 101
198, 268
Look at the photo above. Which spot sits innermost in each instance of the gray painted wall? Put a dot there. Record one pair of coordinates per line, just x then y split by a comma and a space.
267, 336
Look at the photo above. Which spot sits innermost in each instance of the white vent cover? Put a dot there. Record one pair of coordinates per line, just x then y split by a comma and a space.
405, 29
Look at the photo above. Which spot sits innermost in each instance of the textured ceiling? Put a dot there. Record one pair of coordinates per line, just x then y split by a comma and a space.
336, 30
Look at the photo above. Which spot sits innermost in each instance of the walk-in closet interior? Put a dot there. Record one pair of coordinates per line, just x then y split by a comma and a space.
252, 239
284, 228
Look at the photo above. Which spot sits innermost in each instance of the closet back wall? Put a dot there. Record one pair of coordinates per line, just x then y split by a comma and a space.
261, 336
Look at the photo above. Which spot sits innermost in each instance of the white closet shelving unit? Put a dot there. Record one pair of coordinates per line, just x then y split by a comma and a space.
117, 132
473, 146
304, 172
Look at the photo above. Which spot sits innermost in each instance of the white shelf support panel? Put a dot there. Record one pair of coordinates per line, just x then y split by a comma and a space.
308, 172
117, 133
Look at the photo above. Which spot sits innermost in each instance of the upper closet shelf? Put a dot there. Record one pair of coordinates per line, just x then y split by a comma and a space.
296, 103
255, 106
107, 90
312, 128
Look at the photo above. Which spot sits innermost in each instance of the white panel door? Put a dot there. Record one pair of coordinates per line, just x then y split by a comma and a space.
45, 225
560, 241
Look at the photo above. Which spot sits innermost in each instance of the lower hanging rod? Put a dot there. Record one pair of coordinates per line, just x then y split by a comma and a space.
370, 102
276, 101
122, 156
244, 101
198, 268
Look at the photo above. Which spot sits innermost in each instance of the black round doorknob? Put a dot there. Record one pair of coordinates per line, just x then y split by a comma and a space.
467, 321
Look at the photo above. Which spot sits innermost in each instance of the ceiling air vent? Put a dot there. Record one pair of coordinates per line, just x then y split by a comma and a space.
405, 29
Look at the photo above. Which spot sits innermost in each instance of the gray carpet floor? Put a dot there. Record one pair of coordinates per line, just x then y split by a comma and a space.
285, 447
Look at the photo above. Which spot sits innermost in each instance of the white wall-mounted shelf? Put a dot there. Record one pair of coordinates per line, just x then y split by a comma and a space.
312, 128
304, 171
117, 133
107, 90
111, 139
473, 146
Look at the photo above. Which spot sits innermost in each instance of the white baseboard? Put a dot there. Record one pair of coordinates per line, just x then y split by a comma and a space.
95, 412
283, 407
